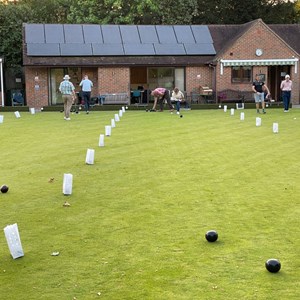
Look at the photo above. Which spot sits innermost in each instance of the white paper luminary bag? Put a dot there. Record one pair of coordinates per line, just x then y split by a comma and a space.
13, 241
275, 128
258, 121
90, 155
101, 140
113, 124
67, 184
108, 130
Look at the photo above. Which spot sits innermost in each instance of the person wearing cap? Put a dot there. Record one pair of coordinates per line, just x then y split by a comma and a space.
68, 95
86, 86
259, 88
286, 88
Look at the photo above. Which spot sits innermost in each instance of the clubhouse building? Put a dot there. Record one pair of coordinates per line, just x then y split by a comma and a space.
202, 60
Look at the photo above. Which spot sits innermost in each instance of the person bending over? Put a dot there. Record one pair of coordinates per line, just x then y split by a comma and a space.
161, 94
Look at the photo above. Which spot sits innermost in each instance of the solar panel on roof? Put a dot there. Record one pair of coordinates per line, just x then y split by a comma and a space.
184, 34
200, 49
92, 34
202, 34
108, 49
166, 34
110, 40
111, 34
73, 34
76, 49
54, 33
139, 49
169, 49
34, 33
129, 34
148, 34
43, 49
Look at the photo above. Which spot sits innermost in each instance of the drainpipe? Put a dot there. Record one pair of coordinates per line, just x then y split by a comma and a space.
214, 81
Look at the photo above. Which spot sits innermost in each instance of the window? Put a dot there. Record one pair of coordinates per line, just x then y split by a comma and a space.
166, 77
241, 74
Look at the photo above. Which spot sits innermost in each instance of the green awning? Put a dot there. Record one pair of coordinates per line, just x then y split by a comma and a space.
258, 62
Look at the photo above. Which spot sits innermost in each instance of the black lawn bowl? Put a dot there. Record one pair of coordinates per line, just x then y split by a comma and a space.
273, 265
211, 236
181, 116
4, 189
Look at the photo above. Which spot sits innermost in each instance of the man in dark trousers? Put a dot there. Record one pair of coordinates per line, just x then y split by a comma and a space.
286, 88
160, 94
86, 86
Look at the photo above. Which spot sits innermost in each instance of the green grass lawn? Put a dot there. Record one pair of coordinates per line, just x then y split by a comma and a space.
138, 217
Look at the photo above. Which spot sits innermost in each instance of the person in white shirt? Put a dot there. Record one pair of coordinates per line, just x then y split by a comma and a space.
178, 97
86, 86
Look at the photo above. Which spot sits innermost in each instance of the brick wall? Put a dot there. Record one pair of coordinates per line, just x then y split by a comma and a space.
259, 36
36, 78
93, 76
113, 80
295, 96
193, 83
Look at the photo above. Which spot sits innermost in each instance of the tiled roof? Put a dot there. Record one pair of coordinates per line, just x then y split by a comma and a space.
225, 35
290, 33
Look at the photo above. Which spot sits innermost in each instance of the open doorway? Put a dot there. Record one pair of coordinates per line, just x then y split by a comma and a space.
275, 75
149, 78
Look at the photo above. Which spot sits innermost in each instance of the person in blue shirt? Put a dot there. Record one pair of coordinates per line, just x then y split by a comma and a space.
86, 86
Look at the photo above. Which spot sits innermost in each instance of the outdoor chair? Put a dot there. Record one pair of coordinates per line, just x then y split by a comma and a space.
17, 99
136, 96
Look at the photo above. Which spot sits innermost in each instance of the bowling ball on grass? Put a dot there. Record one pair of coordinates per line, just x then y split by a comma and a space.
4, 189
211, 236
273, 265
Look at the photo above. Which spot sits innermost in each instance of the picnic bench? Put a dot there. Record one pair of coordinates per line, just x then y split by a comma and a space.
116, 98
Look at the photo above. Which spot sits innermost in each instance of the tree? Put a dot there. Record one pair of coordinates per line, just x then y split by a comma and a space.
297, 11
12, 17
280, 12
115, 12
239, 12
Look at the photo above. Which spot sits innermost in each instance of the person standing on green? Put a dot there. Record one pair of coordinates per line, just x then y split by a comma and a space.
259, 88
68, 95
86, 86
286, 88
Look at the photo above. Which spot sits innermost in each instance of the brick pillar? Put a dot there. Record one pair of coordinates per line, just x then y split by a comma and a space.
37, 94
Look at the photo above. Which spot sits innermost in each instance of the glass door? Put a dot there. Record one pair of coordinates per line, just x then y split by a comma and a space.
166, 77
56, 77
